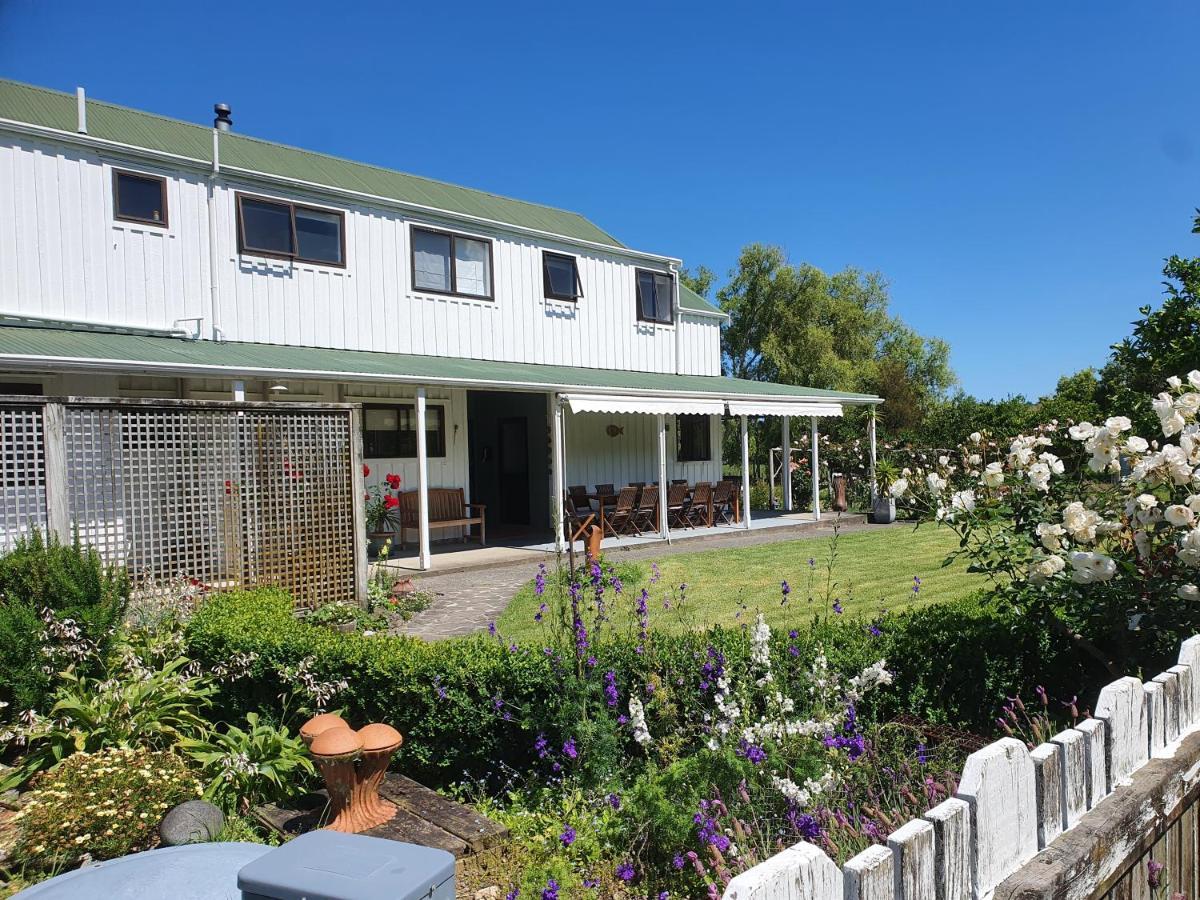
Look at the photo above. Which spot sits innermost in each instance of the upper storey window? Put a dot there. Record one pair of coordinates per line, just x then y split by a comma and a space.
140, 198
290, 231
560, 277
447, 263
655, 296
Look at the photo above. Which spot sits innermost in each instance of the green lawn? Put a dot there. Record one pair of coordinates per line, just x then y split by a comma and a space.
870, 571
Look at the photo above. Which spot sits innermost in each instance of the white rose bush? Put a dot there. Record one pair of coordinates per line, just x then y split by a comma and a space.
1089, 527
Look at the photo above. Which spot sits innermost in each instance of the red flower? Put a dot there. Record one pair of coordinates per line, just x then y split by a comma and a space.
366, 470
391, 502
393, 481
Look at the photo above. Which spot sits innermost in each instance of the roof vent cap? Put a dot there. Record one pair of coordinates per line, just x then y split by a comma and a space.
224, 119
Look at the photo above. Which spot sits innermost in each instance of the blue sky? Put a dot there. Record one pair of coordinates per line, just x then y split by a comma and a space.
1017, 170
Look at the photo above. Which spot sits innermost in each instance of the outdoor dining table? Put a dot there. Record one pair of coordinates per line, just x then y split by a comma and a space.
602, 501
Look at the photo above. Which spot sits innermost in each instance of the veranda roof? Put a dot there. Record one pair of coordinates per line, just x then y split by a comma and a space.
623, 403
67, 349
783, 408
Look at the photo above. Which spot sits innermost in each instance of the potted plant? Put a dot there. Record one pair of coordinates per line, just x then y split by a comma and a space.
883, 504
383, 507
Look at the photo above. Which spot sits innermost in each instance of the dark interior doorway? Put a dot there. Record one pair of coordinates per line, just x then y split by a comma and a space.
510, 461
513, 446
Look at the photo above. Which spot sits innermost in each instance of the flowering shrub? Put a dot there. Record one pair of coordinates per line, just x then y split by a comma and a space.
383, 501
104, 804
1090, 528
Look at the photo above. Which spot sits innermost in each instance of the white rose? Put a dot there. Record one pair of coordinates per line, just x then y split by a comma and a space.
963, 501
1189, 553
1082, 431
1052, 462
943, 461
1044, 568
1146, 501
1188, 404
1193, 503
976, 437
1118, 423
993, 475
1039, 476
1089, 568
1136, 444
1173, 424
1174, 382
1081, 523
1193, 378
1179, 515
974, 459
935, 482
1188, 592
1051, 535
899, 487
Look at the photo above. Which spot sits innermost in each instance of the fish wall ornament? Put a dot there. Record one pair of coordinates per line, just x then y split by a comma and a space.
614, 430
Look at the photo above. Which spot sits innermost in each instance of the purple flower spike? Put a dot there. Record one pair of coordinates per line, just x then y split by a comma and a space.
568, 836
625, 872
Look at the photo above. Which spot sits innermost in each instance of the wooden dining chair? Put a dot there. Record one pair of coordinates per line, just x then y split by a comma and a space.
722, 502
677, 505
620, 520
605, 489
579, 498
679, 481
700, 512
646, 516
576, 521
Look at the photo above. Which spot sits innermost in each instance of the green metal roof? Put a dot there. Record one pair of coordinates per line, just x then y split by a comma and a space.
689, 299
54, 109
64, 349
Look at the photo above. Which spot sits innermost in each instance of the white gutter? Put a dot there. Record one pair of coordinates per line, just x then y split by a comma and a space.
57, 363
212, 232
376, 199
19, 319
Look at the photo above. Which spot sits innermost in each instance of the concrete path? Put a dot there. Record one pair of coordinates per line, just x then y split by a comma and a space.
466, 601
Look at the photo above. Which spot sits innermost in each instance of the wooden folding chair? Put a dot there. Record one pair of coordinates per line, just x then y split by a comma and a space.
677, 505
700, 512
722, 502
620, 520
646, 515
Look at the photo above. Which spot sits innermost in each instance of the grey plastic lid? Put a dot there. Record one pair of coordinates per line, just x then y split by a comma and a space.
190, 872
328, 865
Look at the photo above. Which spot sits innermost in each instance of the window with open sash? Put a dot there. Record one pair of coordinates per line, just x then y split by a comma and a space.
655, 296
140, 198
390, 432
290, 231
560, 277
447, 263
693, 439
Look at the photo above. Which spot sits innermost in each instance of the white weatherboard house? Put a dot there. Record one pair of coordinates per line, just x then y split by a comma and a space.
147, 257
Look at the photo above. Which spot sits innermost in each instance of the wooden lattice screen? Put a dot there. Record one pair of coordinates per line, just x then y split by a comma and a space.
231, 494
22, 471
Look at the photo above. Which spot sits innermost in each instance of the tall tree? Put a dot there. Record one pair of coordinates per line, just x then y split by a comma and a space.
800, 325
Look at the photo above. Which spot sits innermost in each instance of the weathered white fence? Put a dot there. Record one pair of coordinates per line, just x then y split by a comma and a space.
231, 494
1012, 803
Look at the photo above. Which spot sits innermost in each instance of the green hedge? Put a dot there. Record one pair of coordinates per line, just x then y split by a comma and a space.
469, 707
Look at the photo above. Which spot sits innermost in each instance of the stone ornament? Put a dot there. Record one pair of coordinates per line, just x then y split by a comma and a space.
353, 764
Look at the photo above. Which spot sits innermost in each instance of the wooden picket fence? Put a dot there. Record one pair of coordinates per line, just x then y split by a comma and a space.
1105, 797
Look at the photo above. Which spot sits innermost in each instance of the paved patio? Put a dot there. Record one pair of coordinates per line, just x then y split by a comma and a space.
467, 597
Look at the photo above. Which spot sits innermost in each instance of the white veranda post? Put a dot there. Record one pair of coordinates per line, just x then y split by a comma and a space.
816, 473
663, 522
422, 483
558, 476
787, 463
871, 435
745, 473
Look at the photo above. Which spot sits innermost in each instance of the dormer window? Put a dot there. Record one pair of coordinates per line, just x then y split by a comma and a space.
285, 230
140, 198
655, 296
448, 263
560, 277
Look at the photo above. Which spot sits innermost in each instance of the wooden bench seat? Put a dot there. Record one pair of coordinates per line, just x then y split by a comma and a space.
447, 509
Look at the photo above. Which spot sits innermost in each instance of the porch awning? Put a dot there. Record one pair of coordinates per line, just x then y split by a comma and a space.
783, 408
624, 403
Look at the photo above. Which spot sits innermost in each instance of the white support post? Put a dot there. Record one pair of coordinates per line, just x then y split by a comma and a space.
239, 391
422, 484
745, 473
816, 473
558, 475
664, 525
871, 435
771, 478
787, 463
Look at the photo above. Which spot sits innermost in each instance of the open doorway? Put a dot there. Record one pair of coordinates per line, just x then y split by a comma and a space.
510, 462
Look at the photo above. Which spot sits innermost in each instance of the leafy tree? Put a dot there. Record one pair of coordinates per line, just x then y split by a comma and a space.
700, 281
1165, 342
799, 325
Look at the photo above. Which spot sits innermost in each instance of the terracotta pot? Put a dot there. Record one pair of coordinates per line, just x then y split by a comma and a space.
336, 751
592, 541
380, 742
839, 502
